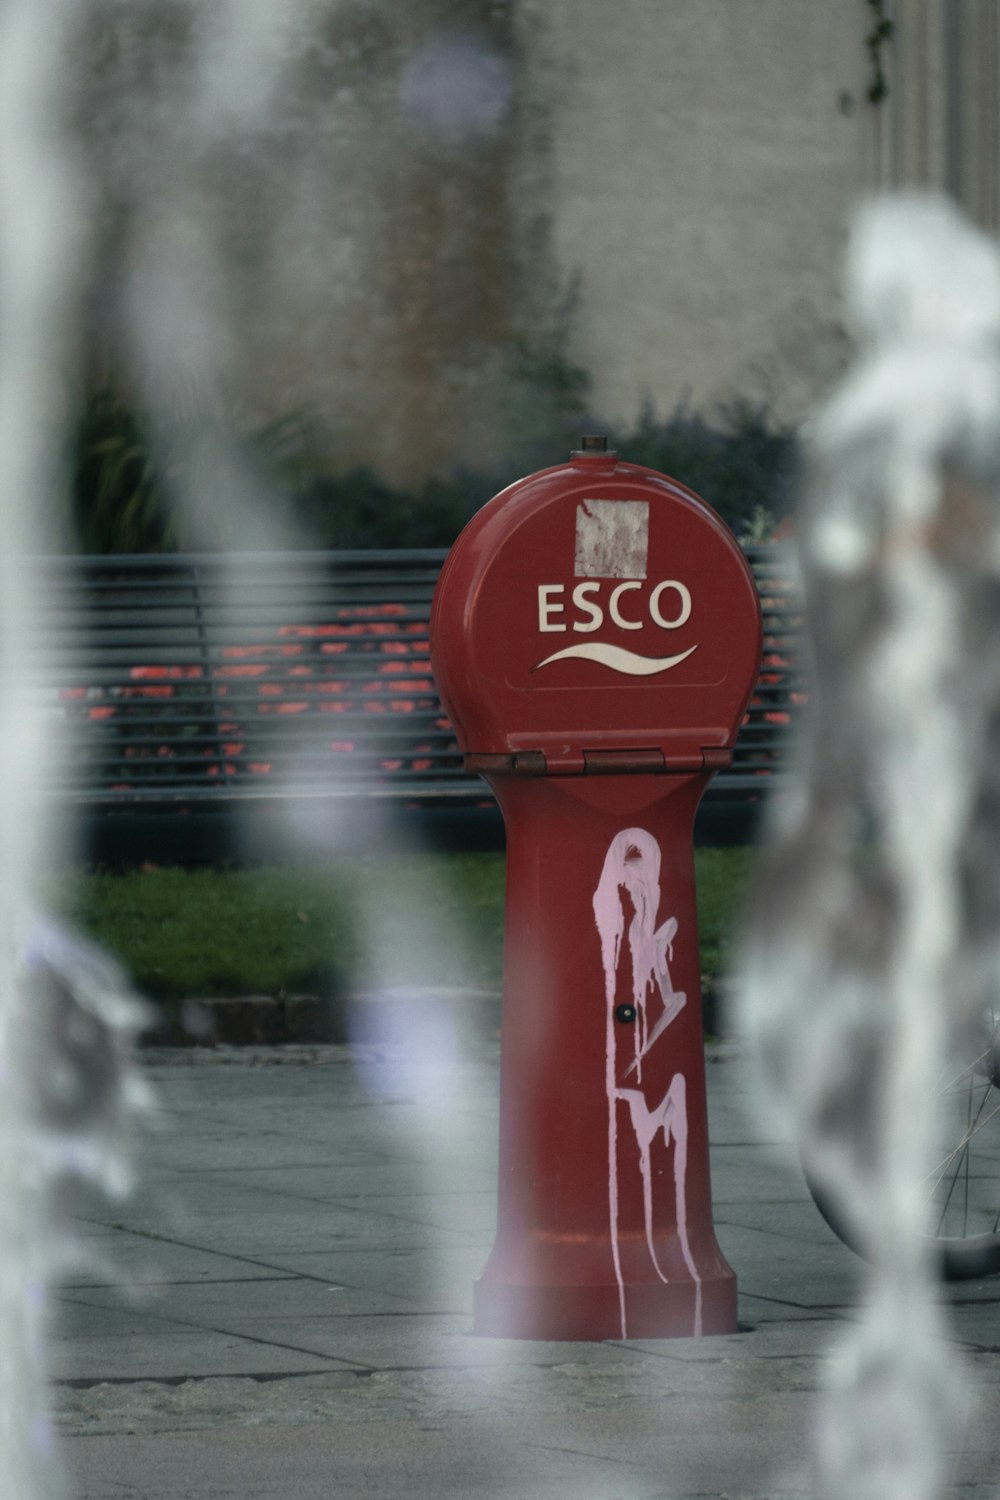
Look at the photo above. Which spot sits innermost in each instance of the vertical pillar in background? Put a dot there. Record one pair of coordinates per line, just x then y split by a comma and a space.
448, 277
977, 82
408, 245
939, 126
954, 122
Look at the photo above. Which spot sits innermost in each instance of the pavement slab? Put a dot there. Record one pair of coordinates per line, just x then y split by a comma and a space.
285, 1309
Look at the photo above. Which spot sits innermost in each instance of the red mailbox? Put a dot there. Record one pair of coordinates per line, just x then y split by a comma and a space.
596, 637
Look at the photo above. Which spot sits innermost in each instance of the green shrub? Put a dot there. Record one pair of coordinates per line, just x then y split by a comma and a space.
301, 928
118, 496
125, 483
739, 459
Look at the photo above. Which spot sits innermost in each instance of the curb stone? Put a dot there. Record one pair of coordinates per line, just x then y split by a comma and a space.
271, 1021
328, 1054
365, 1017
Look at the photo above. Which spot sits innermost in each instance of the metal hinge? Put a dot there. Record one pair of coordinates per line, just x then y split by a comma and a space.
575, 762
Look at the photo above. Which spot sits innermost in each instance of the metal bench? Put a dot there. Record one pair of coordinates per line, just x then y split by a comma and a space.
189, 688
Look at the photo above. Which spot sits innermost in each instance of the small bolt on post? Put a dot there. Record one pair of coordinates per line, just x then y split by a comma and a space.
593, 445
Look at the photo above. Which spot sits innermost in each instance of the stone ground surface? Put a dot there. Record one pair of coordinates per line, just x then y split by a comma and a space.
284, 1310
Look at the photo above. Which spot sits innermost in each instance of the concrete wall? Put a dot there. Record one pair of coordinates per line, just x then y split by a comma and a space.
438, 174
356, 257
705, 159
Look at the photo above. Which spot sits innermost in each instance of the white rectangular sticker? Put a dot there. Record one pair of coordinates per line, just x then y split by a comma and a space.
612, 538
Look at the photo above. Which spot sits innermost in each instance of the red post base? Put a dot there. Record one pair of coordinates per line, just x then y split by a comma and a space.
604, 1215
648, 1310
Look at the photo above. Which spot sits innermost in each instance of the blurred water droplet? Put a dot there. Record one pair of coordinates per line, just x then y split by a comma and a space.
456, 88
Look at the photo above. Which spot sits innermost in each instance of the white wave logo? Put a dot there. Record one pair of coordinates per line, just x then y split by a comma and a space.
617, 658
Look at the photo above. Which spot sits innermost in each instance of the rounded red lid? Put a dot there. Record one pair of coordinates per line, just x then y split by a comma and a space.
595, 606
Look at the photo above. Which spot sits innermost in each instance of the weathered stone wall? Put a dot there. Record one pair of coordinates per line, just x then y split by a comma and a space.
357, 254
437, 176
706, 158
408, 262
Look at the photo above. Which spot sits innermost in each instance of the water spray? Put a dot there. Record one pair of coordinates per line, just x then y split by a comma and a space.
873, 933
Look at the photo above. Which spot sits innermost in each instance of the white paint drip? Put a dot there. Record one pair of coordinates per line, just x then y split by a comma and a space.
673, 1000
609, 1085
670, 1116
633, 863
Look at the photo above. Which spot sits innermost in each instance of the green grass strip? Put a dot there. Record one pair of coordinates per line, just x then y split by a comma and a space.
379, 921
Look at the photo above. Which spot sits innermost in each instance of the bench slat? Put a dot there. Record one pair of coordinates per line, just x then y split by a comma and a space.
205, 679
